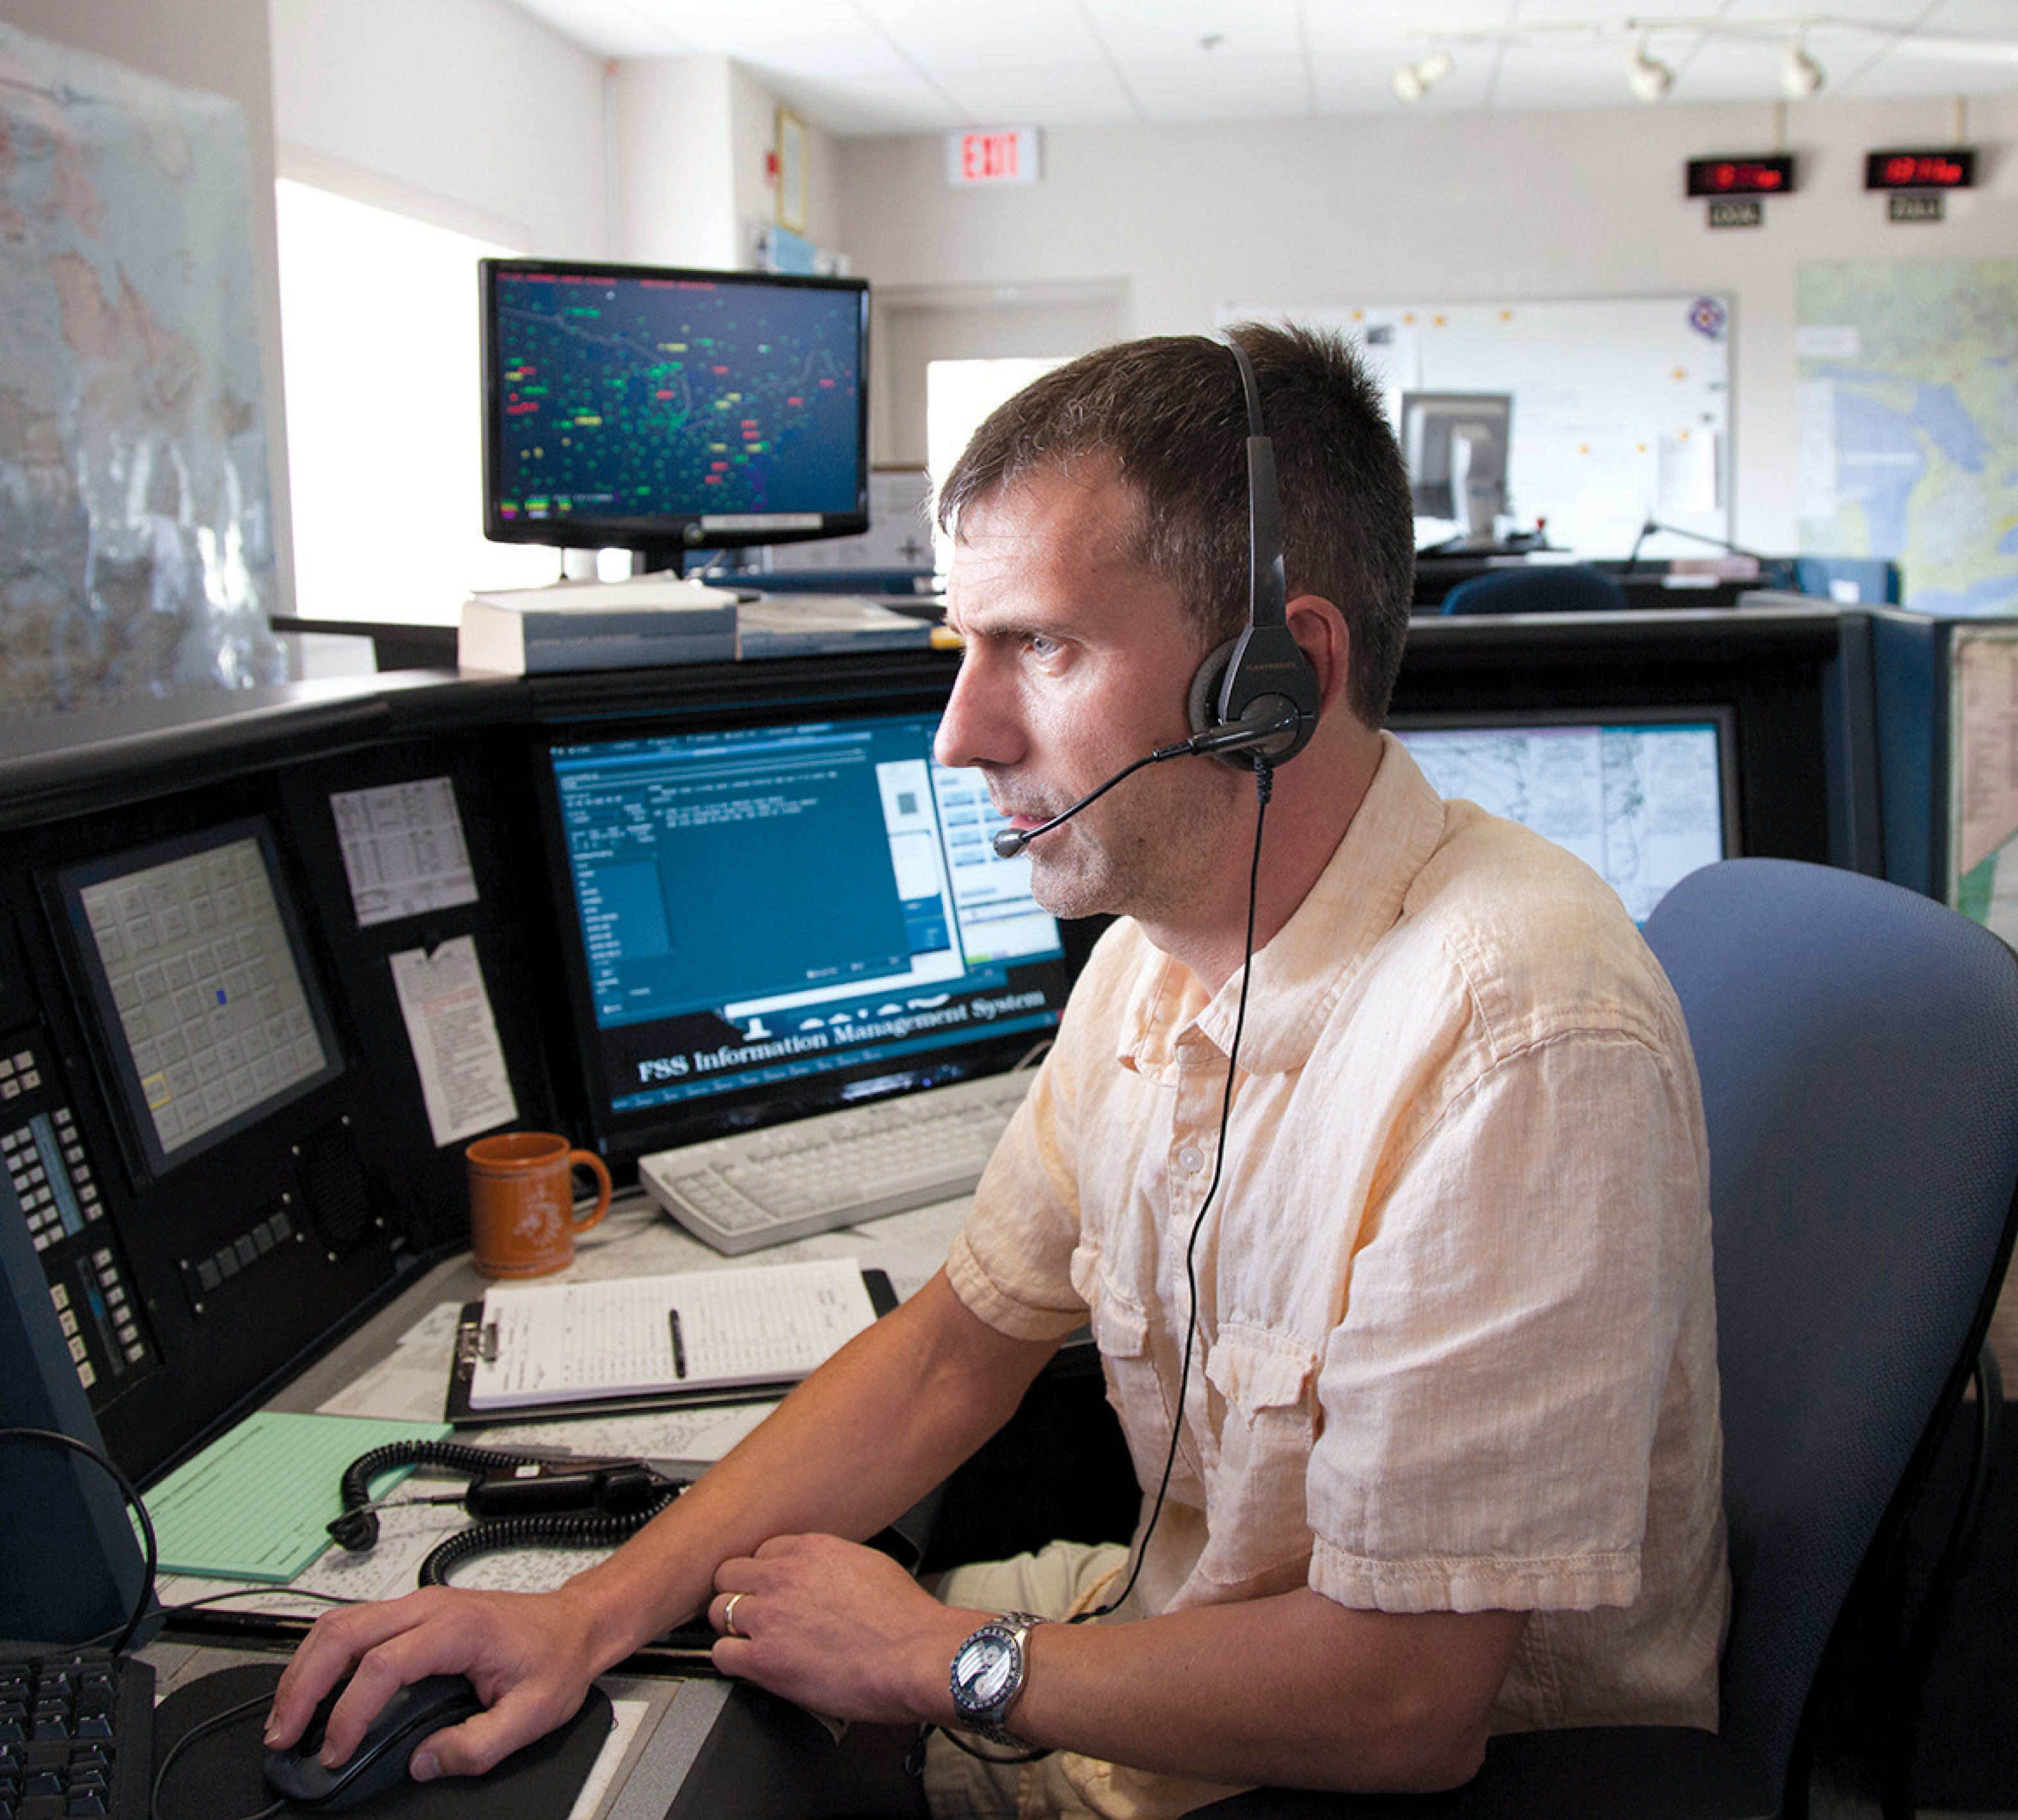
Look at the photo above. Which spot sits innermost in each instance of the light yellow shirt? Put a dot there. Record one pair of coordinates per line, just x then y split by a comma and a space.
1457, 1339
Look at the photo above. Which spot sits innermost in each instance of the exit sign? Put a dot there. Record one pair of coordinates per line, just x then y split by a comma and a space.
986, 156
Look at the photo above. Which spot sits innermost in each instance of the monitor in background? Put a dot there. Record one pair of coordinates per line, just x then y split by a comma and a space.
189, 953
1456, 445
663, 411
764, 920
1642, 795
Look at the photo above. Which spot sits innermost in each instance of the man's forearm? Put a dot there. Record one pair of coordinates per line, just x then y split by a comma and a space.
1293, 1689
852, 1448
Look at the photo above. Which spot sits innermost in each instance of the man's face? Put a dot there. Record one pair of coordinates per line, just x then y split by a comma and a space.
1077, 663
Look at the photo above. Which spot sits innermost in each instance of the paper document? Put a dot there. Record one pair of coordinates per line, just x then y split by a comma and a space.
545, 1343
402, 849
464, 1084
255, 1504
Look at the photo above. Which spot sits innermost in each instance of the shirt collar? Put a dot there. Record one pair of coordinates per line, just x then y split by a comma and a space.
1297, 978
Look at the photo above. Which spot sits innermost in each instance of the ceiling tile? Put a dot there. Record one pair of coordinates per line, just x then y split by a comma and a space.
895, 66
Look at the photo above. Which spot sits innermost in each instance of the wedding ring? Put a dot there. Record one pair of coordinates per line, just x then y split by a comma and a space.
728, 1615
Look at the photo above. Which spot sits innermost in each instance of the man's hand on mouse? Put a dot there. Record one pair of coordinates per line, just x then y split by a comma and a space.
525, 1653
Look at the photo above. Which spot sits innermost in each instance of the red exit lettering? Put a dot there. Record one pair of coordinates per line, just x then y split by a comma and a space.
988, 158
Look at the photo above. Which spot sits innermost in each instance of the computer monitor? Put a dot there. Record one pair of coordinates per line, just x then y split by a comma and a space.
765, 917
1456, 444
663, 411
190, 956
1644, 796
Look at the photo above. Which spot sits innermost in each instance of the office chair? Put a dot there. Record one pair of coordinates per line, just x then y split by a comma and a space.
1544, 587
1858, 1047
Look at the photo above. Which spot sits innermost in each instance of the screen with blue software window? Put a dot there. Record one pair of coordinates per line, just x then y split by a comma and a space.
774, 918
1643, 797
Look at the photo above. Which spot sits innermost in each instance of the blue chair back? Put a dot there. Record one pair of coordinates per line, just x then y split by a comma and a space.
1858, 1049
1538, 587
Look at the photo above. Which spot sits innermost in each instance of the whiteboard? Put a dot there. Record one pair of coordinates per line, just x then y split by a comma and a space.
1621, 405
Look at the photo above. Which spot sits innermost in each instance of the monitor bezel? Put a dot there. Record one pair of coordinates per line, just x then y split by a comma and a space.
661, 539
623, 1136
91, 991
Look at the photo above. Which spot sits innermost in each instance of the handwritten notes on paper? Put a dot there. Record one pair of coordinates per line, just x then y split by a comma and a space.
564, 1342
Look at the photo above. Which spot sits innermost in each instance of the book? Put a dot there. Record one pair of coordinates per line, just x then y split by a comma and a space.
789, 625
534, 1350
597, 625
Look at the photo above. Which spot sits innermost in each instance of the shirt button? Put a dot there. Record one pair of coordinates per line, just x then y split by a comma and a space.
1190, 1159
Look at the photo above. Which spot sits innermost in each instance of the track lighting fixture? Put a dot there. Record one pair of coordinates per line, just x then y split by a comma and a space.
1648, 78
1800, 75
1646, 75
1412, 81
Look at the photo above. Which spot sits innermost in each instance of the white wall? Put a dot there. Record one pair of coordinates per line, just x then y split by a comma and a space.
1430, 208
693, 137
468, 112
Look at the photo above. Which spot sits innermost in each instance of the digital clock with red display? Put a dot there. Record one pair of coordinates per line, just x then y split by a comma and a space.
1771, 174
1952, 169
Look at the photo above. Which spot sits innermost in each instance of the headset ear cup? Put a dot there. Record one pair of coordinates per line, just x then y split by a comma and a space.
1202, 704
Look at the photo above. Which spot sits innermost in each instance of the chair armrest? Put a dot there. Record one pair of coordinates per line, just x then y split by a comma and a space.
1612, 1772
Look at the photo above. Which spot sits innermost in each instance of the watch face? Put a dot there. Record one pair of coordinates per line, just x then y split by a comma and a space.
984, 1668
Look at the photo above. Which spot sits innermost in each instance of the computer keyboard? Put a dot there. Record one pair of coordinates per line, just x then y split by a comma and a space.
77, 1735
785, 1181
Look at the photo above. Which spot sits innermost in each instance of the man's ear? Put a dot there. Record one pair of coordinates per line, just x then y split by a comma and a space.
1320, 631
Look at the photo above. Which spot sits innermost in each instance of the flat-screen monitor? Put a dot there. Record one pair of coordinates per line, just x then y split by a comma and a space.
1644, 796
768, 918
662, 411
1456, 444
190, 954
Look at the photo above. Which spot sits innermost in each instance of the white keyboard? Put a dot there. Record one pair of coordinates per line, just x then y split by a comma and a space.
834, 1169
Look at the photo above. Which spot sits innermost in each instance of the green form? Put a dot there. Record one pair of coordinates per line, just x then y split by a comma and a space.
255, 1503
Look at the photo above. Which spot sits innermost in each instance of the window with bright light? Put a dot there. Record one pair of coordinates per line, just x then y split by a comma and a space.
958, 395
379, 323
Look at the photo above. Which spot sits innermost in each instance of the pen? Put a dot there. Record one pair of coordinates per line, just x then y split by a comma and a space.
679, 1344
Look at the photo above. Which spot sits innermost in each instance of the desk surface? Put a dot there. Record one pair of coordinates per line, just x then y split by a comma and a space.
685, 1745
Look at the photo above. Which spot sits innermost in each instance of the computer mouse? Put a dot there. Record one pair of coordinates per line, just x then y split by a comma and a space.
379, 1762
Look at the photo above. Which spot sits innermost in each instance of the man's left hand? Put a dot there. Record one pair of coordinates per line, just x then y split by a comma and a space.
837, 1627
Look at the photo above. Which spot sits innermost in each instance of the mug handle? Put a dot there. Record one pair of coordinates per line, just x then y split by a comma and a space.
588, 1159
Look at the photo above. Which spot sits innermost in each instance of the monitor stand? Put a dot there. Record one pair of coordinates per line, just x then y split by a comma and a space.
1474, 501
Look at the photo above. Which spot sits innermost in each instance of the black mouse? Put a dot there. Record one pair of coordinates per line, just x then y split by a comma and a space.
379, 1762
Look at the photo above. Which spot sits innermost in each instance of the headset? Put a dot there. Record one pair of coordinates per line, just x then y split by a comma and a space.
1255, 700
1262, 675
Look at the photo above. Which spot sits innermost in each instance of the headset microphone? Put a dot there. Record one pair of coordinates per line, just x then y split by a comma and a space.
1271, 719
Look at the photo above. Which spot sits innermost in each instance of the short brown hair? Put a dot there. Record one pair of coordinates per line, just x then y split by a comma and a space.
1171, 413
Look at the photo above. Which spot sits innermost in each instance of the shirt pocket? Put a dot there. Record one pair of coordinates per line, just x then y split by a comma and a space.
1121, 1331
1264, 1413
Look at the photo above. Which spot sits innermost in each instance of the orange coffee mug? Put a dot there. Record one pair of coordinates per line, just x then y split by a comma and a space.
523, 1219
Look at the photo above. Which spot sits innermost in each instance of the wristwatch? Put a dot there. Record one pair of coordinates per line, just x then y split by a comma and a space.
988, 1674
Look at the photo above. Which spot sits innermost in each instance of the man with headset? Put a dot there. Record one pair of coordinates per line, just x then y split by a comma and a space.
1404, 1222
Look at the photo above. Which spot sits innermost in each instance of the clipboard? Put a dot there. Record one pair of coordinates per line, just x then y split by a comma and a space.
469, 1343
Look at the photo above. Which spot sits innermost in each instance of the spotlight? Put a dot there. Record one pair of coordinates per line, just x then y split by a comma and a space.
1412, 81
1648, 78
1800, 75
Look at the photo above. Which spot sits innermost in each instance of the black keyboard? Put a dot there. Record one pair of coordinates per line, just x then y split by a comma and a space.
77, 1735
